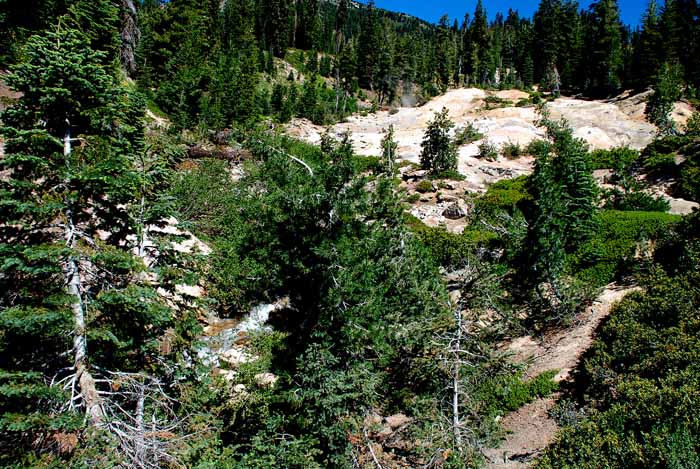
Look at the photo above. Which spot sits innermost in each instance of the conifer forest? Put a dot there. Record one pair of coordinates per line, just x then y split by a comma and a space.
320, 234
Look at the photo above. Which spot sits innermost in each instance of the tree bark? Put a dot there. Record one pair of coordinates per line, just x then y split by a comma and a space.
71, 272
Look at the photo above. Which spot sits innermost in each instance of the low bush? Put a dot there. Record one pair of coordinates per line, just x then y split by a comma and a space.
643, 381
507, 195
660, 163
467, 135
488, 151
615, 158
494, 102
508, 393
634, 200
512, 151
448, 249
425, 186
535, 147
611, 252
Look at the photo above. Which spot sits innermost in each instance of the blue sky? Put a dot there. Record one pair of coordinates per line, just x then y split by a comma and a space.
432, 10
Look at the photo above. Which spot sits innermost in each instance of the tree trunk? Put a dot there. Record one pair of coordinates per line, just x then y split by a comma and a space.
455, 381
71, 272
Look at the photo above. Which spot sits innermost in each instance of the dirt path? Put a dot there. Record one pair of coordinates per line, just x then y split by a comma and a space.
530, 428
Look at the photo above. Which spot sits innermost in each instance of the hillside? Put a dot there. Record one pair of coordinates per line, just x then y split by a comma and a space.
317, 234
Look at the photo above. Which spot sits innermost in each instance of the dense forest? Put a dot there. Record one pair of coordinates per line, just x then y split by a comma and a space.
149, 196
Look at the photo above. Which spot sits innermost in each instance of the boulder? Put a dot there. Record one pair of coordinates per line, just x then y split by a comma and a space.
456, 210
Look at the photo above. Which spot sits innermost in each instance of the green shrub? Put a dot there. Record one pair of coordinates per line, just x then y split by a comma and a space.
412, 198
425, 186
615, 158
611, 252
363, 164
634, 200
450, 249
657, 163
692, 127
535, 147
467, 135
523, 103
488, 151
512, 151
642, 379
494, 102
508, 393
689, 183
507, 194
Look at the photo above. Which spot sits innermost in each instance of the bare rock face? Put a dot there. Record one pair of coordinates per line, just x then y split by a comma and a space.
266, 380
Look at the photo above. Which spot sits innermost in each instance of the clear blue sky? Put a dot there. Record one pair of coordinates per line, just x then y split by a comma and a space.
432, 10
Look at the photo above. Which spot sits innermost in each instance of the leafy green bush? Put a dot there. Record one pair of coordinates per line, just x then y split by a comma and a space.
611, 252
657, 163
488, 151
508, 393
507, 194
615, 158
467, 135
634, 200
412, 198
689, 183
535, 147
494, 102
643, 381
450, 249
425, 186
512, 151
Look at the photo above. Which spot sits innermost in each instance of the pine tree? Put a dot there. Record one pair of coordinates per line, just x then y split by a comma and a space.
72, 295
389, 147
566, 196
276, 23
445, 53
369, 48
668, 89
647, 51
605, 47
439, 153
481, 43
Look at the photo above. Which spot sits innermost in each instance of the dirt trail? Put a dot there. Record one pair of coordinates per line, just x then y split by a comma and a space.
531, 428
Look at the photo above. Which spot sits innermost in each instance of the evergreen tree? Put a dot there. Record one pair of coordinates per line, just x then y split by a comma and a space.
667, 90
647, 49
369, 48
72, 296
566, 198
481, 43
605, 47
276, 23
389, 147
445, 53
439, 153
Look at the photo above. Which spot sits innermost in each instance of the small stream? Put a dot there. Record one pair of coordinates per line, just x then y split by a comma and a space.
229, 335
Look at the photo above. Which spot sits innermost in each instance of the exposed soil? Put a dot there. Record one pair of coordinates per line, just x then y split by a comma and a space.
602, 124
530, 429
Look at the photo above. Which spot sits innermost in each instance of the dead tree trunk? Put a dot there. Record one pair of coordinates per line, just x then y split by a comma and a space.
71, 273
